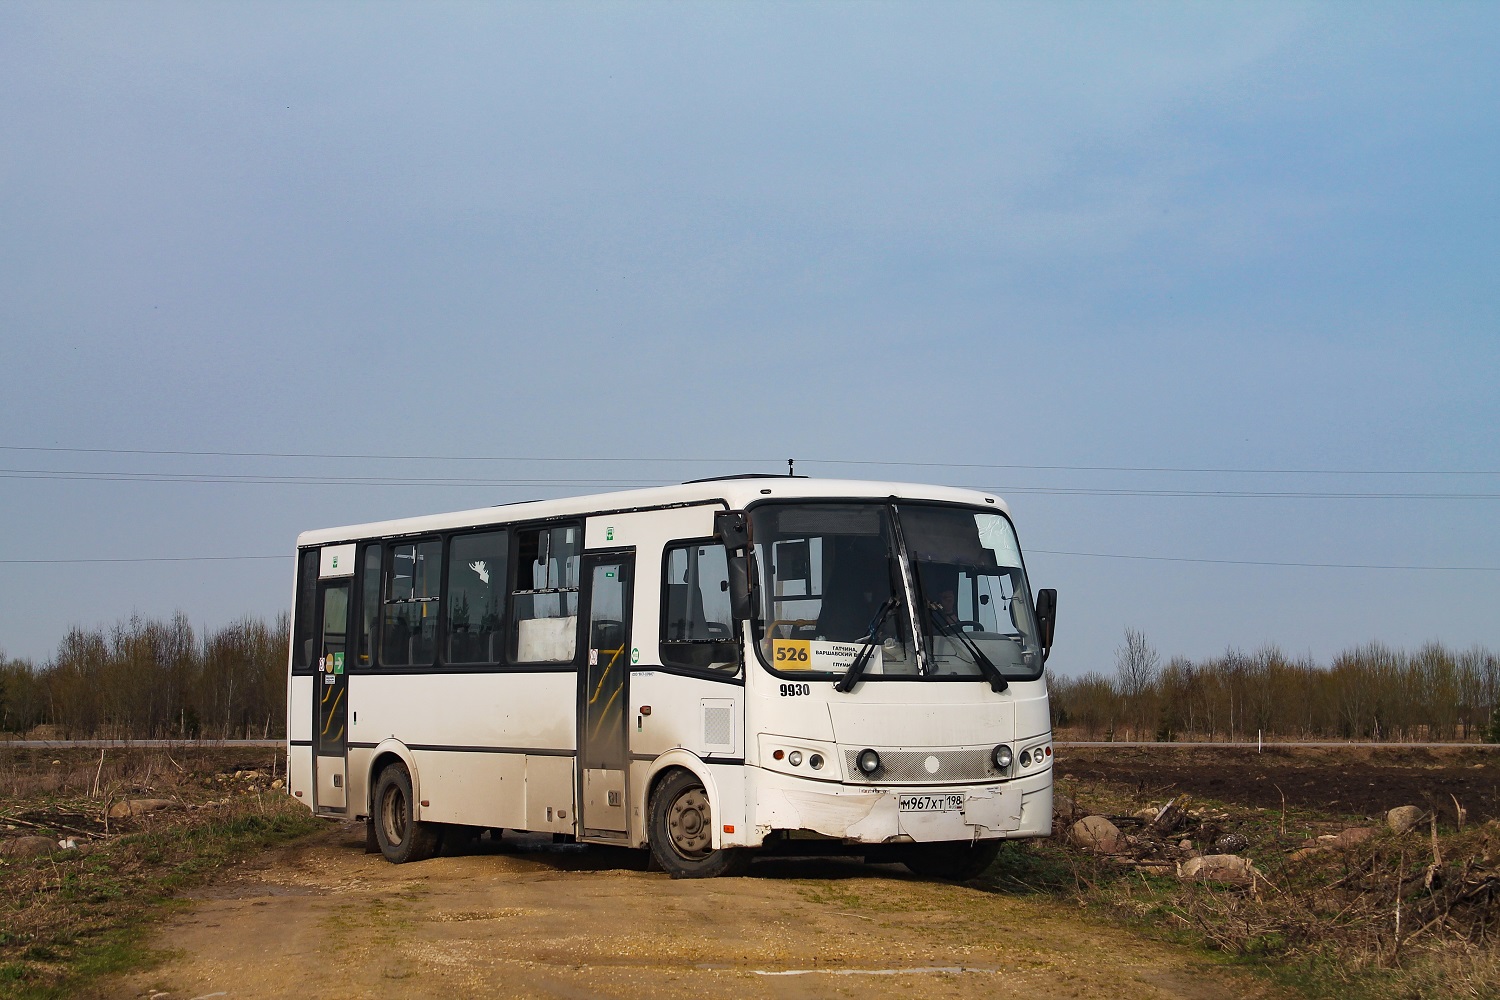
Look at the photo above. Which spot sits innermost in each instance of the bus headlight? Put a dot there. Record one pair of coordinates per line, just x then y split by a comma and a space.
815, 762
794, 758
868, 763
1001, 757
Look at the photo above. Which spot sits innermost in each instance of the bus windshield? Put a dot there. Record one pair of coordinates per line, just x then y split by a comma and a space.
972, 594
825, 571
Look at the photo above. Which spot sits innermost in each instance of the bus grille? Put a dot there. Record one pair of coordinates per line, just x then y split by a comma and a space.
913, 767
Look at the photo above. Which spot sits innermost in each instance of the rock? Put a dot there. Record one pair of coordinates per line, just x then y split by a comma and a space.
1063, 806
1354, 835
27, 847
1403, 819
1305, 852
1231, 843
279, 784
1147, 814
252, 775
1097, 834
1229, 868
139, 807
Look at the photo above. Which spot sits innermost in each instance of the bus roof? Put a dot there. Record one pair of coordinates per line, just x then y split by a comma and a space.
734, 493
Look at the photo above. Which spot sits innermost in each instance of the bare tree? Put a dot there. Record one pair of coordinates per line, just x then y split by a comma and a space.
1137, 664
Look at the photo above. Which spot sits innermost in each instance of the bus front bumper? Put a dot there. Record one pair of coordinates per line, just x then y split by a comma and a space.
1021, 807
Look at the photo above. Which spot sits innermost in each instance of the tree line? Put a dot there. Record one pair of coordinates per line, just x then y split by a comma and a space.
154, 679
1370, 692
159, 679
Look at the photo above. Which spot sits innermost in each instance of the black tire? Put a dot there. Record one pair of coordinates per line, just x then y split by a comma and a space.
681, 832
401, 837
956, 861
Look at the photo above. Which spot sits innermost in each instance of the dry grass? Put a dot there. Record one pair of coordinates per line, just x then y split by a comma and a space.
1404, 917
72, 914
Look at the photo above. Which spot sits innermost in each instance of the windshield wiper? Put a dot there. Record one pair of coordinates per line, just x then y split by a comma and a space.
949, 627
866, 651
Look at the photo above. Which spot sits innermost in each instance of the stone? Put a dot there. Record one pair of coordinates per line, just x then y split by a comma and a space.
1230, 868
1305, 852
1231, 843
1403, 819
139, 807
1099, 835
27, 847
278, 784
1062, 806
1147, 814
1186, 845
1354, 835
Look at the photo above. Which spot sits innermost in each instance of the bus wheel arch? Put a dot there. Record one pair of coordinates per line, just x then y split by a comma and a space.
399, 834
679, 827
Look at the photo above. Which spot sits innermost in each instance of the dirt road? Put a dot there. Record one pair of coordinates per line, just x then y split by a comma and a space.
324, 919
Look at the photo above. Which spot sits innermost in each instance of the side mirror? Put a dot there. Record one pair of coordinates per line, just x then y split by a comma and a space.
733, 529
1046, 617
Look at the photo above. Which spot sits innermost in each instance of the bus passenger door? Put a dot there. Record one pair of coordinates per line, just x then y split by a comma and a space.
603, 693
331, 699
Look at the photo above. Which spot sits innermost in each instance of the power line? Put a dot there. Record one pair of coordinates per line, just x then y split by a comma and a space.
753, 461
479, 483
1261, 562
140, 559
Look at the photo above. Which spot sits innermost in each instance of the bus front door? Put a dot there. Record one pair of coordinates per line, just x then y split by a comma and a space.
603, 692
331, 700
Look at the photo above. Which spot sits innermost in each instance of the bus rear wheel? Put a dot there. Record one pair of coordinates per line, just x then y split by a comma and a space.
956, 861
681, 831
401, 837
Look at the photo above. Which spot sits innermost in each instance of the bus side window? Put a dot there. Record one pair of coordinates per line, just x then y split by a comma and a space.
476, 598
307, 590
410, 625
697, 631
369, 605
544, 605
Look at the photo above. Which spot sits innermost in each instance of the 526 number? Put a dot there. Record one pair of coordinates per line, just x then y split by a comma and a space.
793, 690
796, 654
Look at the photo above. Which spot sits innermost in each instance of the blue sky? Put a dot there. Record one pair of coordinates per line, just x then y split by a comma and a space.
974, 242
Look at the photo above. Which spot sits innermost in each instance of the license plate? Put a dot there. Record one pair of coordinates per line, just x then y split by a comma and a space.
930, 803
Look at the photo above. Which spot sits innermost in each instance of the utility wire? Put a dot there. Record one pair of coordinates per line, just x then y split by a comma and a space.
478, 483
754, 461
1261, 562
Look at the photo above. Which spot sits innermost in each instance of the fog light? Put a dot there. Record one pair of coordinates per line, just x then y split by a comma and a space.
868, 762
1025, 758
794, 758
815, 762
1001, 757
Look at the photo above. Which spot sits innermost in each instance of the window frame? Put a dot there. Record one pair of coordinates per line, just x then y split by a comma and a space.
513, 624
738, 640
910, 585
445, 624
387, 574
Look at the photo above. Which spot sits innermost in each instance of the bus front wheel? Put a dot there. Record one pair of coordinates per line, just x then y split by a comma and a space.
400, 836
681, 832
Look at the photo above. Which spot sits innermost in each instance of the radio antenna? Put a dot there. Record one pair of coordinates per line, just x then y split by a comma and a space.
790, 463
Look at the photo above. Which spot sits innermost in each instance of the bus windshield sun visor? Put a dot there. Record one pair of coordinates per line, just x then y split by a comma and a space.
946, 624
867, 650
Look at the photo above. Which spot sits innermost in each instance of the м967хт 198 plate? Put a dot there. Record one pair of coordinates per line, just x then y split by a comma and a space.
931, 803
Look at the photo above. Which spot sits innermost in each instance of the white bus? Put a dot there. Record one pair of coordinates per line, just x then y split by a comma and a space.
707, 670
